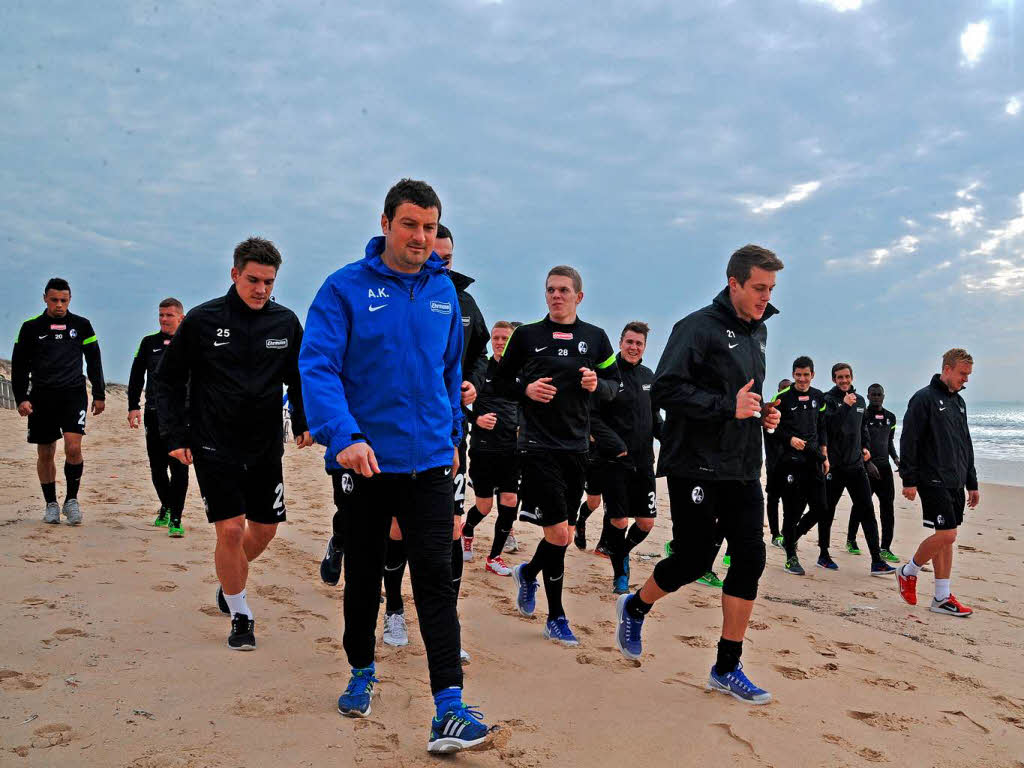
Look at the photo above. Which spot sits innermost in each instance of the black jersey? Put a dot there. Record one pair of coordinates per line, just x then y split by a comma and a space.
545, 349
48, 356
488, 400
802, 415
633, 422
936, 447
881, 427
847, 437
147, 358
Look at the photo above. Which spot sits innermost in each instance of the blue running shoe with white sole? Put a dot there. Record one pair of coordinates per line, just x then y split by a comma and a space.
355, 701
526, 592
461, 727
627, 635
560, 631
620, 585
738, 685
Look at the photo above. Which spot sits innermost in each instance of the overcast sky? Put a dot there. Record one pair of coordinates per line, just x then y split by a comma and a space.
876, 147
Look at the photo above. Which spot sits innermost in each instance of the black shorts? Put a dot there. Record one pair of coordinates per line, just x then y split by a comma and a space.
57, 412
593, 483
942, 508
459, 485
629, 492
491, 471
552, 487
230, 490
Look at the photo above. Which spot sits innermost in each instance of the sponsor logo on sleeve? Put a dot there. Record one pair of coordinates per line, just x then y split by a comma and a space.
441, 307
277, 343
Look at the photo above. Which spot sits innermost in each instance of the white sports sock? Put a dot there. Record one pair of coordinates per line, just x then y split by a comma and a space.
910, 568
237, 604
942, 589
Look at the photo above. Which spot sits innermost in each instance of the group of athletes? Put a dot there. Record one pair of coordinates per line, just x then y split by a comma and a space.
391, 374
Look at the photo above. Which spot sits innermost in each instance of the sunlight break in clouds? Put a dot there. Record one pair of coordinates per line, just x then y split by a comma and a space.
1013, 106
961, 218
973, 42
796, 193
1013, 229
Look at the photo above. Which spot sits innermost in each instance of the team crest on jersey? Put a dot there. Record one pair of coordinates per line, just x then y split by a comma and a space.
763, 348
441, 307
814, 403
583, 347
72, 333
561, 336
347, 484
790, 479
697, 494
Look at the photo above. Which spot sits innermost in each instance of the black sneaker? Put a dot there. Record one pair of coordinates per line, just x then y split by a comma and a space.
242, 637
221, 602
580, 539
330, 566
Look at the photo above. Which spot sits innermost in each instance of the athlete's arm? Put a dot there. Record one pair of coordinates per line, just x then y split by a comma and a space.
676, 387
892, 443
657, 421
915, 427
171, 389
506, 383
476, 355
453, 373
94, 368
972, 473
135, 383
608, 376
293, 381
607, 440
21, 366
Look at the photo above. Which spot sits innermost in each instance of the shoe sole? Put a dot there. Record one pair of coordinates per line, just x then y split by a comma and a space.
565, 643
714, 686
447, 745
394, 644
794, 573
245, 647
884, 573
947, 613
620, 608
497, 573
354, 712
52, 522
827, 568
519, 586
176, 535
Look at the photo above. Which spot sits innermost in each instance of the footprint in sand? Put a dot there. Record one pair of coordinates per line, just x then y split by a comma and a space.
606, 660
798, 673
291, 624
887, 682
276, 594
211, 610
164, 586
855, 648
66, 633
177, 567
760, 626
12, 680
327, 645
871, 755
51, 735
887, 721
374, 744
694, 641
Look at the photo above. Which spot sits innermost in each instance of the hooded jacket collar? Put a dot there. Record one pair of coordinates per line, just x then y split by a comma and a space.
373, 260
723, 304
235, 301
461, 281
940, 385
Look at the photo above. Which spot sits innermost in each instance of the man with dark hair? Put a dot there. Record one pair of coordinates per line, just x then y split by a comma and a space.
49, 388
392, 423
937, 462
772, 450
708, 382
230, 359
170, 490
554, 365
626, 427
847, 442
881, 426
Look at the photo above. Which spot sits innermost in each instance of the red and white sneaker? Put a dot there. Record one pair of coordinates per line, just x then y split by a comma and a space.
950, 606
498, 566
467, 548
907, 587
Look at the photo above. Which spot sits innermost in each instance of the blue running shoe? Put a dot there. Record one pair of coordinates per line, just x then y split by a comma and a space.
526, 596
460, 728
737, 685
620, 586
559, 631
355, 701
828, 563
627, 636
625, 565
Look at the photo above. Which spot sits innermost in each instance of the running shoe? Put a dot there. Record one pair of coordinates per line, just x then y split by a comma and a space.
464, 656
221, 602
243, 635
498, 566
951, 607
174, 529
601, 550
467, 549
793, 566
461, 727
625, 564
826, 562
161, 518
906, 586
72, 511
355, 701
511, 545
852, 548
777, 542
627, 635
882, 569
888, 556
580, 538
620, 585
330, 566
395, 631
526, 595
668, 548
710, 579
52, 513
727, 560
738, 685
559, 631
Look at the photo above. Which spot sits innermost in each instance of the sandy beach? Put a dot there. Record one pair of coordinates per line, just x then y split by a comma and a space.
114, 654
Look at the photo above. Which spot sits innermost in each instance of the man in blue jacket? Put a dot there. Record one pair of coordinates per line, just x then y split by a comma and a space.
381, 371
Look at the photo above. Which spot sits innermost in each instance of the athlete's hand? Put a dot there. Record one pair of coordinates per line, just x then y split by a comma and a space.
541, 390
910, 492
455, 462
304, 440
826, 466
748, 403
184, 455
134, 419
589, 382
487, 420
360, 457
25, 408
772, 417
850, 399
468, 393
797, 443
973, 498
867, 454
98, 406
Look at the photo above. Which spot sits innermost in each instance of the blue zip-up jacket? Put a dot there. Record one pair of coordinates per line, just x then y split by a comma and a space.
381, 362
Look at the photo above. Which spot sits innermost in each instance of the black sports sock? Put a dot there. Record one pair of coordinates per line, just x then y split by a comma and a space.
617, 549
49, 492
605, 530
584, 512
634, 537
394, 572
457, 566
539, 560
637, 608
472, 521
502, 528
729, 652
554, 571
73, 474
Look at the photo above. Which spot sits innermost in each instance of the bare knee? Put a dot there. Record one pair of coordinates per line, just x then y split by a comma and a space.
557, 534
231, 532
396, 531
593, 502
262, 533
46, 452
508, 499
619, 522
457, 528
73, 450
645, 524
946, 537
484, 506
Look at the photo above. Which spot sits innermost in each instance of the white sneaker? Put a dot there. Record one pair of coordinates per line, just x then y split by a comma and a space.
395, 631
511, 545
464, 657
52, 513
72, 511
498, 566
467, 548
